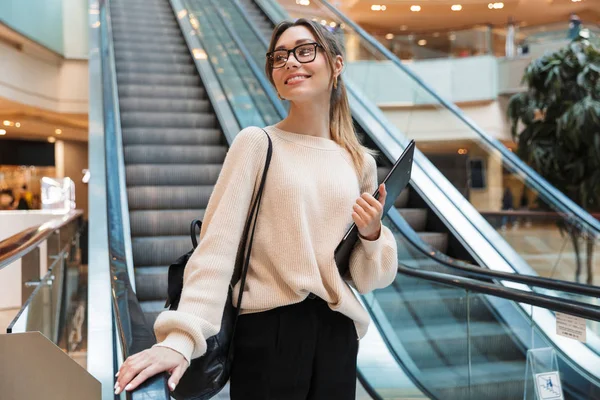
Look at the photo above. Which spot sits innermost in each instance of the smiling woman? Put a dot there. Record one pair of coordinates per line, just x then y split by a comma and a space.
300, 320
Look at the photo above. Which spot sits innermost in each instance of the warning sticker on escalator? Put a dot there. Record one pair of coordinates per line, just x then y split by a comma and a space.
547, 386
570, 326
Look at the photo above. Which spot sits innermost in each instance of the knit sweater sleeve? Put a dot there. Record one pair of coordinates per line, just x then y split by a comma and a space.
210, 268
373, 264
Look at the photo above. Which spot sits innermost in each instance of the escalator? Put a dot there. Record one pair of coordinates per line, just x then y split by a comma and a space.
172, 143
427, 320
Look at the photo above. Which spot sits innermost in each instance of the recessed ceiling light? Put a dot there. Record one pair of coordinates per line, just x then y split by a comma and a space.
456, 7
51, 139
323, 22
415, 8
496, 6
2, 132
18, 124
389, 36
422, 42
378, 7
7, 123
303, 2
332, 24
58, 131
575, 1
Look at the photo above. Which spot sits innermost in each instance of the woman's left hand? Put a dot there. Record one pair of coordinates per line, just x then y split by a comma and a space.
368, 212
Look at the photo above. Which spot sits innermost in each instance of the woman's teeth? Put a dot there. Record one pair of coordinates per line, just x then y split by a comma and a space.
296, 79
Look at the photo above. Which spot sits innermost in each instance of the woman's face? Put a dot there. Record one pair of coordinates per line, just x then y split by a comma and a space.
301, 81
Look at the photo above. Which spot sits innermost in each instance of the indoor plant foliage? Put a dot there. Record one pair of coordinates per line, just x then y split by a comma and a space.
557, 125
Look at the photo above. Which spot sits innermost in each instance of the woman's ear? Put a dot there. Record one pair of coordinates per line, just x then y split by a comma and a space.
339, 66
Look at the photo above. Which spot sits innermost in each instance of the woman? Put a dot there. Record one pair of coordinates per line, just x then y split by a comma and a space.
297, 337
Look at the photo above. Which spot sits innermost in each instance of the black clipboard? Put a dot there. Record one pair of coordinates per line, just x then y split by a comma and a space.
395, 182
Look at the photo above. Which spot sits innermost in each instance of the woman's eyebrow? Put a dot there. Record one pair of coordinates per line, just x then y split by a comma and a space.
297, 42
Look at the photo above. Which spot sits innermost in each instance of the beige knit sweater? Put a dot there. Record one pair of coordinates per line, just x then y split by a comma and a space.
306, 210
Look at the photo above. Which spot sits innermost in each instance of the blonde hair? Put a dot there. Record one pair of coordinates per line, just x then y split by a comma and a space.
340, 118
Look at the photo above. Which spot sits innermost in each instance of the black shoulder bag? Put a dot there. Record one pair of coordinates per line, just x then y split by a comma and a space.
207, 375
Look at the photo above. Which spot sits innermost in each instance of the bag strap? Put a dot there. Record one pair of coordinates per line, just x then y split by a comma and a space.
253, 215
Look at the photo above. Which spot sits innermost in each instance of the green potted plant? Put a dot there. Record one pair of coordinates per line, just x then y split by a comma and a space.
556, 123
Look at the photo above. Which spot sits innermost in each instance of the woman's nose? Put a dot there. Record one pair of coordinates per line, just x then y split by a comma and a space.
292, 62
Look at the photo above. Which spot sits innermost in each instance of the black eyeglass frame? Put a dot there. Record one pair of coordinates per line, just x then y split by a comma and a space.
271, 53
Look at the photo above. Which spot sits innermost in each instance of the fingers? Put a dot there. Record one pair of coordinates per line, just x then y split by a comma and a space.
358, 221
152, 370
129, 370
176, 375
371, 201
367, 207
382, 194
362, 214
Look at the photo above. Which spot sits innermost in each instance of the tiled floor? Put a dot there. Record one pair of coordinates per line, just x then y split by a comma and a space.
550, 253
6, 316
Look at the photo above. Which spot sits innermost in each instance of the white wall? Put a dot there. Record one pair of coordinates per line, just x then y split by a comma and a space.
43, 81
455, 80
427, 123
75, 32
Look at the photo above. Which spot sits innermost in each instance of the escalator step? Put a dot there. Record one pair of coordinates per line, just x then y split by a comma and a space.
174, 154
145, 47
159, 250
151, 310
138, 78
154, 39
164, 105
146, 223
127, 29
168, 198
170, 136
161, 92
415, 217
170, 120
149, 21
155, 68
169, 175
151, 283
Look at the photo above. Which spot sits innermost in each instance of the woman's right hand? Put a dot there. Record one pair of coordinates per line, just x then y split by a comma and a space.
141, 366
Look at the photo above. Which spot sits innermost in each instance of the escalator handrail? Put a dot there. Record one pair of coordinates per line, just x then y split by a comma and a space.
545, 283
130, 325
574, 308
531, 176
19, 244
258, 73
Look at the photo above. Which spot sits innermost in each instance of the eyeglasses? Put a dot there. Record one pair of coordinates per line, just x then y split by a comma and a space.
304, 53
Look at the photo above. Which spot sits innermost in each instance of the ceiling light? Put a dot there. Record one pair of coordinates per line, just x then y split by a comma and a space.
378, 7
58, 131
323, 22
389, 36
2, 132
303, 2
575, 1
415, 8
403, 27
456, 7
18, 124
51, 139
332, 24
496, 6
422, 42
7, 123
462, 151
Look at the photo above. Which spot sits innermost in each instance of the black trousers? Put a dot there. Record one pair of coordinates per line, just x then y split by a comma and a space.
303, 351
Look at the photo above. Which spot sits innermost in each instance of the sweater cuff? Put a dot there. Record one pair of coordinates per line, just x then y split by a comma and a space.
180, 342
373, 247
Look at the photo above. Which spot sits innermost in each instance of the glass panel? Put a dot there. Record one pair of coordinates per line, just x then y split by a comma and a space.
550, 237
249, 102
425, 325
